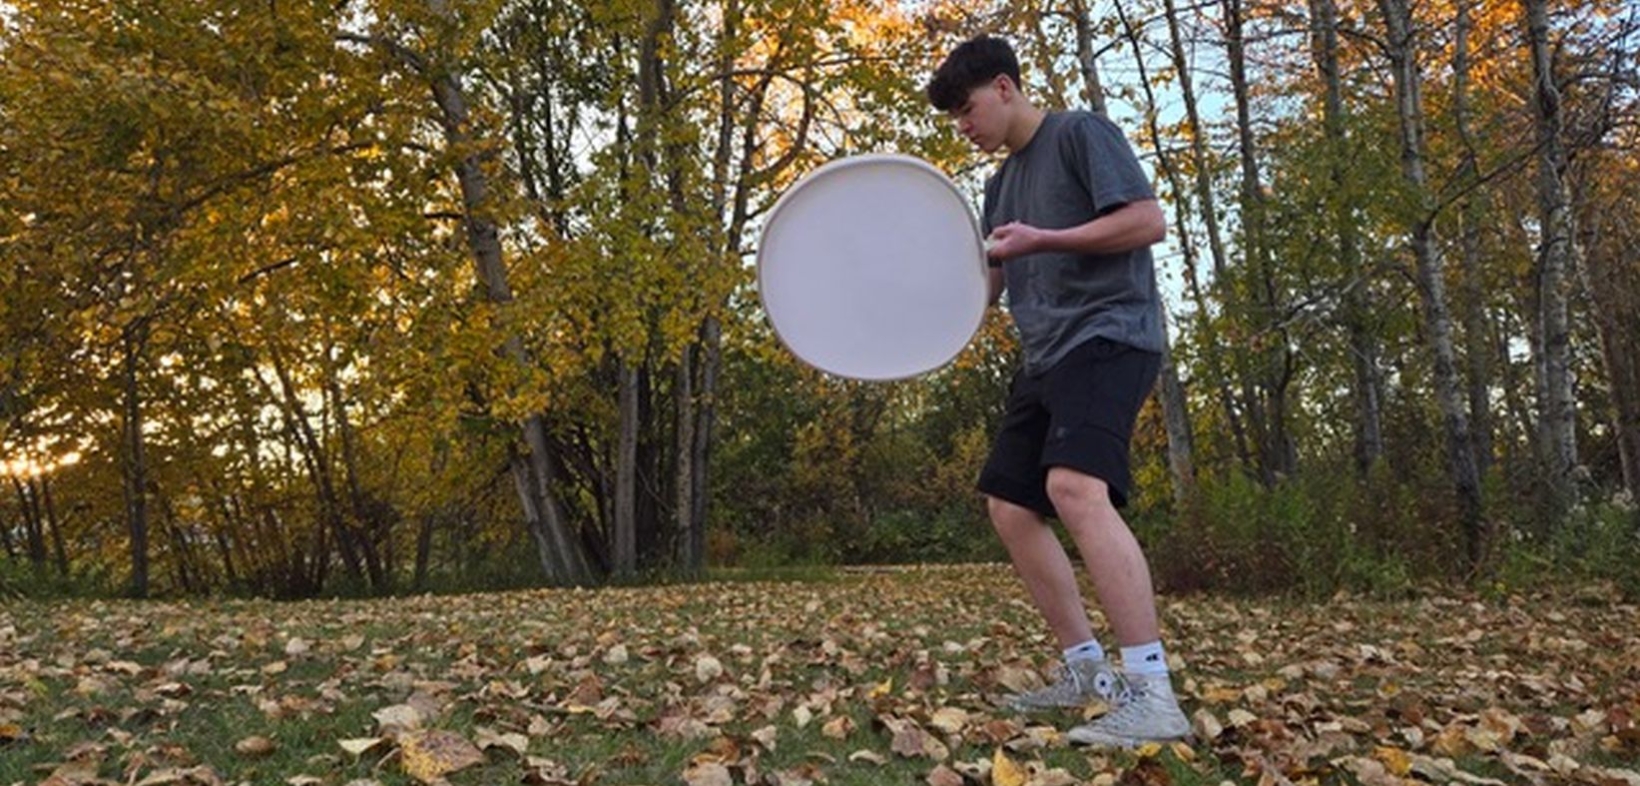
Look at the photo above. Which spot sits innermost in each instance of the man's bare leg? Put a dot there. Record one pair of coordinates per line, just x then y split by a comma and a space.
1121, 577
1045, 569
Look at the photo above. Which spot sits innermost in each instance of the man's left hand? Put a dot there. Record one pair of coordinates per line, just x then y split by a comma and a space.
1013, 240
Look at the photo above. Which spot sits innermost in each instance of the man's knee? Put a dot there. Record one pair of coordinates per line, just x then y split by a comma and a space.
1071, 490
1007, 517
1002, 510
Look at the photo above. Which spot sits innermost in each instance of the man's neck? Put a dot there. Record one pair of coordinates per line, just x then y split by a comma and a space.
1023, 129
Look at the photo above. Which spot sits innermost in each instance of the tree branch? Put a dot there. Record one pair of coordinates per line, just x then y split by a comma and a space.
266, 270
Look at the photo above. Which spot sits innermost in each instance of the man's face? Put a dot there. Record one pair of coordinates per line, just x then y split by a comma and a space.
983, 117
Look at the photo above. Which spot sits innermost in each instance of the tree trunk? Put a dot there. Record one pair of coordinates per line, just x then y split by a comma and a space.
692, 532
57, 546
316, 458
687, 422
1358, 305
1093, 91
559, 548
626, 473
654, 103
1610, 285
182, 560
1518, 417
424, 550
372, 526
135, 459
732, 186
706, 412
1623, 374
1175, 410
1212, 347
555, 550
1557, 258
230, 573
33, 530
6, 542
1472, 301
1431, 278
229, 533
1273, 364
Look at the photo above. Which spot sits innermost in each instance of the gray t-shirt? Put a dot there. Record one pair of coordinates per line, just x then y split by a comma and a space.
1076, 168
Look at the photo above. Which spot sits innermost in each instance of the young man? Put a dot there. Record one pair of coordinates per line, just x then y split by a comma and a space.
1070, 218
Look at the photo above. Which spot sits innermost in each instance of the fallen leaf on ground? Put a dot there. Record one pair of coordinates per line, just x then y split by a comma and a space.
358, 746
428, 756
398, 716
487, 738
707, 774
1005, 771
255, 746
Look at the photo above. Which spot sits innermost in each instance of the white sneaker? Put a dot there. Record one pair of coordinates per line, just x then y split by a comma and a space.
1149, 713
1075, 684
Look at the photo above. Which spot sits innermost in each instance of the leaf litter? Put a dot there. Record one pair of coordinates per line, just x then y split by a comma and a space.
879, 675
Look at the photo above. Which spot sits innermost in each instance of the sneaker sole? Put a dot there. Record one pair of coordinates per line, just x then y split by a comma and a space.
1022, 707
1126, 743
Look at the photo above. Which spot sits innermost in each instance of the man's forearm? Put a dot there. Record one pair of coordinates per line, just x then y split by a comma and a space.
1134, 225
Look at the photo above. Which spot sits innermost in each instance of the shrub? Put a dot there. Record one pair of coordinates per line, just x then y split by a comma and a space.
1314, 535
1596, 542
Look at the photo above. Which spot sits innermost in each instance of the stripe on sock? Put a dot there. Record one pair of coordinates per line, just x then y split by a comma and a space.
1087, 650
1145, 659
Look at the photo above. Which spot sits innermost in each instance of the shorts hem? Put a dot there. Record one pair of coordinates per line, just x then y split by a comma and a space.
1098, 453
997, 485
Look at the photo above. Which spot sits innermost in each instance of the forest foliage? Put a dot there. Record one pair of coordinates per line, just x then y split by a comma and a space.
304, 298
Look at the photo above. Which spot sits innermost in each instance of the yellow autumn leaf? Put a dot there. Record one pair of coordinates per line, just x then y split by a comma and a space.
429, 756
359, 745
1394, 759
1006, 772
882, 688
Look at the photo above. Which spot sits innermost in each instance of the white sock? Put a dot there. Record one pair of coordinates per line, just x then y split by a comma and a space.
1145, 659
1087, 650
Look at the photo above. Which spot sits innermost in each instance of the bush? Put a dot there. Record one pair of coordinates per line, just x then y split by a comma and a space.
19, 579
1598, 542
1315, 536
948, 536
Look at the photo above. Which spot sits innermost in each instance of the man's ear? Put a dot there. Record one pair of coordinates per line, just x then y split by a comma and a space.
1005, 87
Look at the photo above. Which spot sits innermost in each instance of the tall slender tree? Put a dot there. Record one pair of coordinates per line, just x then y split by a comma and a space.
1401, 44
1557, 261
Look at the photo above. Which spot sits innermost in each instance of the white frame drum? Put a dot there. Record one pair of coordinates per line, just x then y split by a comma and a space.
872, 267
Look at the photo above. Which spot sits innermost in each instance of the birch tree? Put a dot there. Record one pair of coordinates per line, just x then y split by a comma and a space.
1557, 260
1401, 47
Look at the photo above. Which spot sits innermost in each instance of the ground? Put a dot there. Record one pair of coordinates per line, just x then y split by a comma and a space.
853, 677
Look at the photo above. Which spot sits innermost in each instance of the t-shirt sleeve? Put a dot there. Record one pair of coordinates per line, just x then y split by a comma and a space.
1101, 157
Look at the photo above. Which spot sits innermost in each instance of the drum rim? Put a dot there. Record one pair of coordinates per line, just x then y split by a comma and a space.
850, 162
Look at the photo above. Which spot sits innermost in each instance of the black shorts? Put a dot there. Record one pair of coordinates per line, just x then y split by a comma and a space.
1078, 414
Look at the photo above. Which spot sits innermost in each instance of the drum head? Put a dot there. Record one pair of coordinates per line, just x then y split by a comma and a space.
873, 268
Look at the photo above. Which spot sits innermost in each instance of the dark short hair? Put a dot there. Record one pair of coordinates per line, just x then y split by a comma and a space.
973, 63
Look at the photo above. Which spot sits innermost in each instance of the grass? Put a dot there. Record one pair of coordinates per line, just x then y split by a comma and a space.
637, 685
